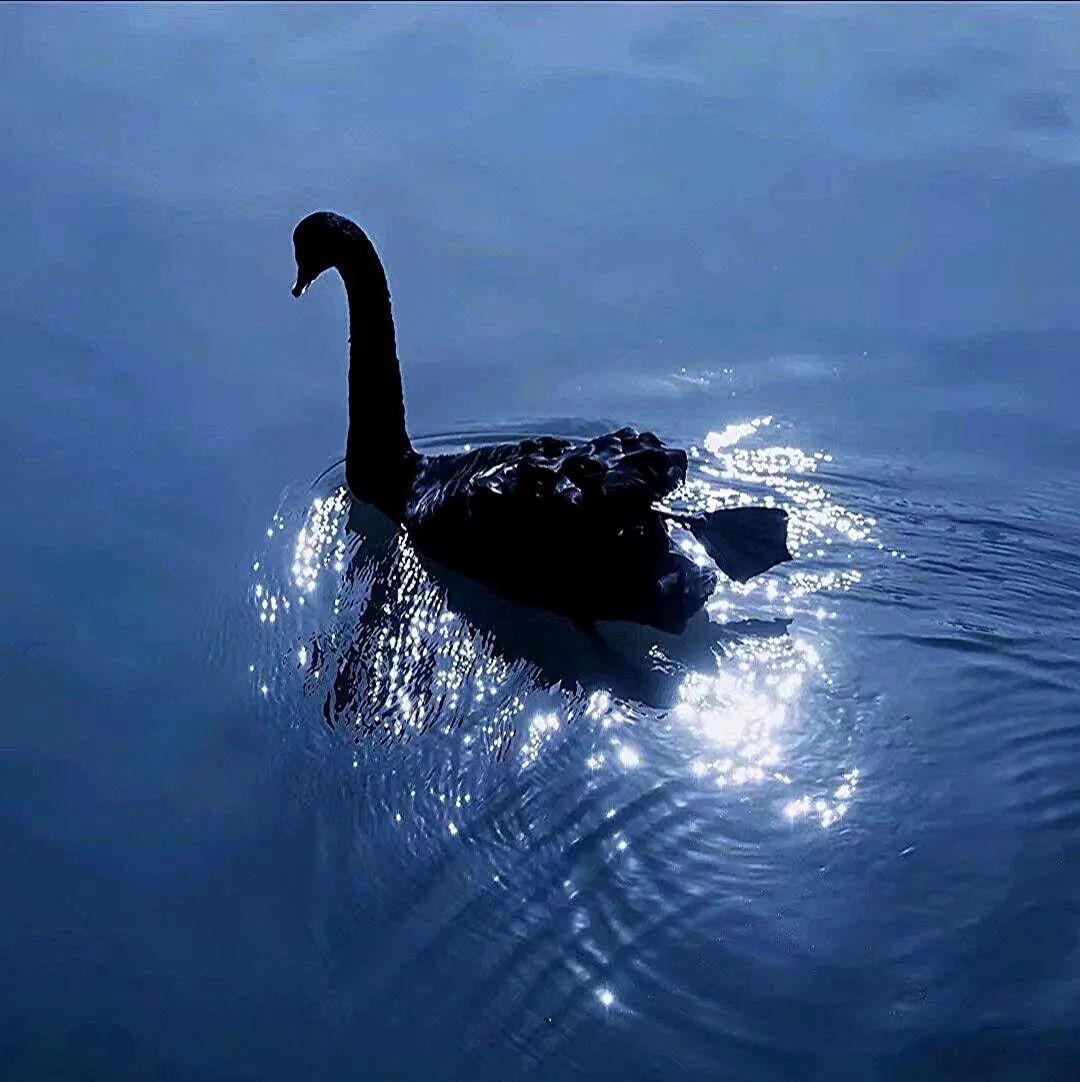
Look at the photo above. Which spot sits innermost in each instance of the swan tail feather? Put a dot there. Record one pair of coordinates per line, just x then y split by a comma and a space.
743, 541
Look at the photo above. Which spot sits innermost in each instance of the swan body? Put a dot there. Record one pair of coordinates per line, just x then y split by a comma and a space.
568, 525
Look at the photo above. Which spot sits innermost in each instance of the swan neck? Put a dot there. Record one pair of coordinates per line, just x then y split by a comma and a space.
379, 454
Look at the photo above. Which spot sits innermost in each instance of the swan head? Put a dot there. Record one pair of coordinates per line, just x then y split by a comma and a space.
320, 242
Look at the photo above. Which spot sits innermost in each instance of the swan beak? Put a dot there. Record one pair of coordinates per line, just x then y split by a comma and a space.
300, 288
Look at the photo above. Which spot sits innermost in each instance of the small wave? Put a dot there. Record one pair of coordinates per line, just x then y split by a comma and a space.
575, 812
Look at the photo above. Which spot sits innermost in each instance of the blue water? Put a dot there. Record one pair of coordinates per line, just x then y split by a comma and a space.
274, 807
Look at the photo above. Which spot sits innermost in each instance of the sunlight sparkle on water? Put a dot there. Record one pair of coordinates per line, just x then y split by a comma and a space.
320, 543
747, 714
422, 665
820, 530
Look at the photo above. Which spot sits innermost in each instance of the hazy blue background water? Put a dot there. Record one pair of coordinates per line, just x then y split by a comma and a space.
853, 849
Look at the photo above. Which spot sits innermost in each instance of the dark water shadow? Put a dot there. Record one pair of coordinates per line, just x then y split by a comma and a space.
632, 662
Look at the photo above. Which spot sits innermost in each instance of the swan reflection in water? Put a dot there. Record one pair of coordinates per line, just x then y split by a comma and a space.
398, 648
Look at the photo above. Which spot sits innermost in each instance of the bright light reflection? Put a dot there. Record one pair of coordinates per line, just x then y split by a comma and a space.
743, 715
408, 663
821, 532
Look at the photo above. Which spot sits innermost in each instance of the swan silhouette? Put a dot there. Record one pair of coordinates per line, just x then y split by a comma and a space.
568, 525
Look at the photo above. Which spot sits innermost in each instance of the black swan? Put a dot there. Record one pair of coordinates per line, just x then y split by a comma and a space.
568, 525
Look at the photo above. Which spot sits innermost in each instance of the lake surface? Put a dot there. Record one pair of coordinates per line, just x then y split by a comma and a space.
274, 806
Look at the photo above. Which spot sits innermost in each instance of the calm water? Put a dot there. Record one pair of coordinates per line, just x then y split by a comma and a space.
274, 806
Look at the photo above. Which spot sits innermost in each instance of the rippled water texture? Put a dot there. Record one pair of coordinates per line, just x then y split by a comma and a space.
283, 799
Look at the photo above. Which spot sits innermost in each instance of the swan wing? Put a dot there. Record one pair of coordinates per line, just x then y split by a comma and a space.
613, 479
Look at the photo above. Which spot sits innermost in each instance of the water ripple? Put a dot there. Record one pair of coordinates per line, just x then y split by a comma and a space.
562, 827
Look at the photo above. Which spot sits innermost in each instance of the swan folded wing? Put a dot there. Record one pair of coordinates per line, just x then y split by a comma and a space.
612, 479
